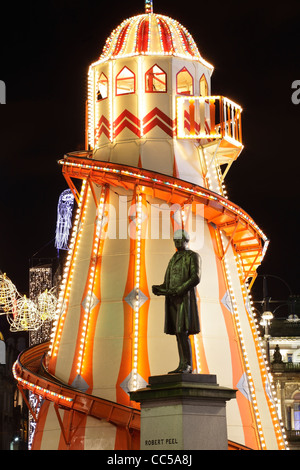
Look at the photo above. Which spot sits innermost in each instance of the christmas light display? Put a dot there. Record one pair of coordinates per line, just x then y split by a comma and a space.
8, 295
154, 140
46, 304
64, 219
26, 316
40, 286
23, 313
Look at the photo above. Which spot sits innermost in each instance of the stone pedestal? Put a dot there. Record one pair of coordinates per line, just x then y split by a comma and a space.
183, 412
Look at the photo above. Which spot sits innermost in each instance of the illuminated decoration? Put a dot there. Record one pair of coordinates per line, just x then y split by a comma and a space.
91, 300
158, 149
40, 279
82, 168
151, 34
149, 6
35, 405
64, 219
48, 394
64, 293
26, 316
40, 283
8, 295
46, 304
191, 125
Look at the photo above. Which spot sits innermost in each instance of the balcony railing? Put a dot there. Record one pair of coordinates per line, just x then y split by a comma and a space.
293, 435
285, 367
209, 117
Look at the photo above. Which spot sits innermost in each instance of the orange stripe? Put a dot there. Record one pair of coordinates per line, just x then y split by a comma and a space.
87, 371
128, 339
89, 322
143, 363
238, 368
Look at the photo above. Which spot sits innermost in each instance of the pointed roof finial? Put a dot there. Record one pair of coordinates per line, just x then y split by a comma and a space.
148, 6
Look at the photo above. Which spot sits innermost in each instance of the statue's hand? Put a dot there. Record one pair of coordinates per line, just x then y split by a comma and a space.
156, 290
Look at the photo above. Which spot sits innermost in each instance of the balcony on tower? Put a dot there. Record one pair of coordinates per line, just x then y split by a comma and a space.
215, 122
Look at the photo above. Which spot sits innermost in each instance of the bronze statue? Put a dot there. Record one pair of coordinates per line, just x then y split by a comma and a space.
181, 311
277, 357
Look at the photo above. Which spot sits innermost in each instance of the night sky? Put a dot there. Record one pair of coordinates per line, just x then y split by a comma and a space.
46, 48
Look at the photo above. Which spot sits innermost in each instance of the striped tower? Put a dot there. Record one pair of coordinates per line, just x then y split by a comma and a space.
159, 147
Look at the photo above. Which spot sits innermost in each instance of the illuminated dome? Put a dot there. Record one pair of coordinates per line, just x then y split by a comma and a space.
150, 34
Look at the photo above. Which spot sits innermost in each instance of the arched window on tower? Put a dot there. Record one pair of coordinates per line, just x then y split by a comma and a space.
156, 80
125, 82
203, 86
185, 83
102, 87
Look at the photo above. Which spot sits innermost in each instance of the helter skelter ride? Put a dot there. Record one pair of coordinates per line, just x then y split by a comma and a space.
160, 146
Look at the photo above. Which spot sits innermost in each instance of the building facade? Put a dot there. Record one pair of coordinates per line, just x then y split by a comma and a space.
284, 347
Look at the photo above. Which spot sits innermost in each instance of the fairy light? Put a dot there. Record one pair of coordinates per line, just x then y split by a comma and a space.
160, 35
67, 275
8, 294
94, 98
184, 45
27, 316
149, 6
138, 236
36, 389
183, 134
110, 98
194, 190
46, 302
262, 359
197, 354
91, 281
208, 175
91, 104
140, 95
150, 19
134, 26
242, 345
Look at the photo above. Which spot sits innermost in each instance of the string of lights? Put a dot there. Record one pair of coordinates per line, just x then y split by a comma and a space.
24, 314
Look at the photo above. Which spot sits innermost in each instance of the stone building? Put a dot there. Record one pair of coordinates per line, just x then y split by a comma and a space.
284, 350
13, 411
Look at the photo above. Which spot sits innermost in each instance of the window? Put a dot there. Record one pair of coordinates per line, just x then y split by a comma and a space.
102, 87
297, 416
184, 82
203, 86
156, 80
125, 82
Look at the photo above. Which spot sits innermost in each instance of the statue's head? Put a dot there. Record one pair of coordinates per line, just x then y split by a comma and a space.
181, 239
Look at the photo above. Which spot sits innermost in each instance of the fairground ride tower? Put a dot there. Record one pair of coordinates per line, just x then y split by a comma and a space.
159, 148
